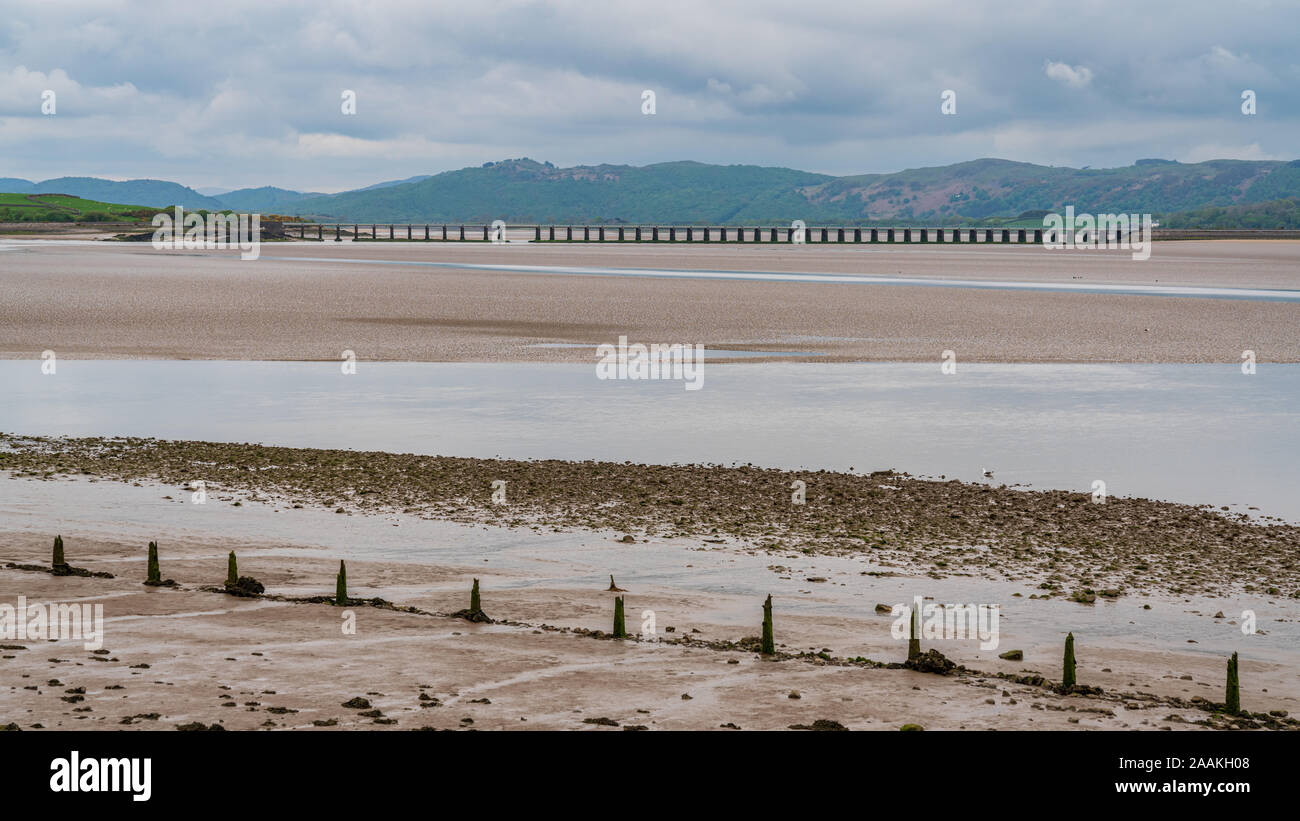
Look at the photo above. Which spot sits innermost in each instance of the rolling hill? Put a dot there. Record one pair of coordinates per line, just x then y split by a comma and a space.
527, 191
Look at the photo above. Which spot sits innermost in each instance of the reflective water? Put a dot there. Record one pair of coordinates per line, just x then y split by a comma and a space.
1191, 433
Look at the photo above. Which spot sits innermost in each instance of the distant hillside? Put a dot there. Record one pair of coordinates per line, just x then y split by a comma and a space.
987, 191
151, 193
1275, 214
264, 200
984, 188
526, 191
391, 183
61, 208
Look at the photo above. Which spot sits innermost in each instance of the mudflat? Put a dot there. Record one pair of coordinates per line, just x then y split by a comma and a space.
311, 301
397, 656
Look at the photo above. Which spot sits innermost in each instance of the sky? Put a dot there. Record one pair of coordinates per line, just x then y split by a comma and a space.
244, 94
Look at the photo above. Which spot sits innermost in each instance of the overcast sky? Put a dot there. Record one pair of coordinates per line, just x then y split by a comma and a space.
236, 93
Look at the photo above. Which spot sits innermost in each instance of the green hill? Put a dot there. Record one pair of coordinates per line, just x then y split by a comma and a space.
134, 192
267, 199
526, 191
1229, 193
63, 208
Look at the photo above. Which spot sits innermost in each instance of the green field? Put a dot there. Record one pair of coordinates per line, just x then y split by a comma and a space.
65, 208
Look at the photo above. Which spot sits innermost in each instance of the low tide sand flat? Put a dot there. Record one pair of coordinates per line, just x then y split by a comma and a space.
105, 300
173, 656
1155, 593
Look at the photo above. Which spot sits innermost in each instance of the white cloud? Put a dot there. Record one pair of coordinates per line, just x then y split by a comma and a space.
1073, 76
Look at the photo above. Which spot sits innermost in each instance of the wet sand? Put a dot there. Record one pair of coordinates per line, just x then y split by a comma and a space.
191, 654
107, 300
1156, 647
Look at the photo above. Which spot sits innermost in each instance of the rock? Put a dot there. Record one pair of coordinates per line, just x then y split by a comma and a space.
357, 703
602, 721
1013, 655
794, 694
931, 661
246, 586
821, 725
911, 728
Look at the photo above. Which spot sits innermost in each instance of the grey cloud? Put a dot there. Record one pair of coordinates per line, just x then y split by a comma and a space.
247, 93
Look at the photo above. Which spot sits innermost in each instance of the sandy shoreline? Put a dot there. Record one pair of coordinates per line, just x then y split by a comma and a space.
275, 664
108, 300
546, 583
1059, 540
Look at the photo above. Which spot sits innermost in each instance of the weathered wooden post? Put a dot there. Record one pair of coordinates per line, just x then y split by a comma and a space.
341, 586
390, 231
988, 234
551, 232
620, 624
426, 234
857, 235
638, 233
57, 561
690, 234
1067, 673
1006, 235
914, 636
444, 233
767, 644
1232, 696
232, 570
1020, 237
485, 233
925, 234
154, 572
602, 233
672, 233
586, 233
620, 233
655, 234
1038, 236
772, 236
